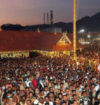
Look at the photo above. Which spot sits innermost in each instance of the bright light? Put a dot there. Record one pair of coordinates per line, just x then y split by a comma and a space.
89, 36
82, 31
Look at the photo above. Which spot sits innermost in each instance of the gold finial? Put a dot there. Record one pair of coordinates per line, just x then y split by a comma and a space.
0, 29
64, 33
38, 30
55, 32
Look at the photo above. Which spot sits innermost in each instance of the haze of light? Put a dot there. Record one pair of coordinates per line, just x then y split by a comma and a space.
27, 12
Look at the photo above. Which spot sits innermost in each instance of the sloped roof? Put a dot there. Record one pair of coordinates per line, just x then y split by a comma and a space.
28, 40
65, 47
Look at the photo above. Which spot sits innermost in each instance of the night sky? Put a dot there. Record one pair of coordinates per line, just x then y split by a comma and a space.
31, 11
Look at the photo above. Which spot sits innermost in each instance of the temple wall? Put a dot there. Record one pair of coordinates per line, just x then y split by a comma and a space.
14, 54
26, 54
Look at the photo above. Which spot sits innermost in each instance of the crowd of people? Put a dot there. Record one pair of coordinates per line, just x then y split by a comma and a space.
51, 80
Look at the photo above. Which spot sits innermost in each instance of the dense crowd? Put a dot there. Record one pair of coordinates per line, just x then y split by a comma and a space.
51, 80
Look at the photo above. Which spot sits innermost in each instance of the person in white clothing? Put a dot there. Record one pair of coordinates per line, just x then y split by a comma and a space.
27, 82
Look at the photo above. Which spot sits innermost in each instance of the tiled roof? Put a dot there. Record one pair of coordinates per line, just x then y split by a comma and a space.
29, 40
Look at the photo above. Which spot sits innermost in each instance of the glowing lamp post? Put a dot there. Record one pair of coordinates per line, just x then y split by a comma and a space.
74, 28
89, 36
82, 31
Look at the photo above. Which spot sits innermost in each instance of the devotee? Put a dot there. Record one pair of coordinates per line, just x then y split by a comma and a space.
51, 80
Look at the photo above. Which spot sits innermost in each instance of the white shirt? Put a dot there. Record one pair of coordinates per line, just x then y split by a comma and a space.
96, 87
41, 104
98, 67
45, 93
27, 83
36, 101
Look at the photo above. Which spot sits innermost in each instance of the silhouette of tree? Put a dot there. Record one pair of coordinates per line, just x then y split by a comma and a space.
12, 27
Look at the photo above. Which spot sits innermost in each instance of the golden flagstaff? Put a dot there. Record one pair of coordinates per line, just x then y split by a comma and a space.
74, 28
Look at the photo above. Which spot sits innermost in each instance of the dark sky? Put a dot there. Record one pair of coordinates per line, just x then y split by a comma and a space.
31, 11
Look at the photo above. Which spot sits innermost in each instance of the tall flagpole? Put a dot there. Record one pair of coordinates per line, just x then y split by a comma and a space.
74, 28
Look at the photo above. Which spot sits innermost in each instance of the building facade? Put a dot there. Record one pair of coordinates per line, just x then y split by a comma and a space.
21, 43
88, 38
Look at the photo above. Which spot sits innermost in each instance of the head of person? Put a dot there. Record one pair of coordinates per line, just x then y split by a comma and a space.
67, 91
10, 100
9, 94
41, 100
23, 98
18, 92
74, 97
42, 93
84, 94
73, 92
60, 96
18, 104
9, 89
61, 85
75, 103
59, 91
27, 89
23, 92
45, 88
63, 103
46, 99
51, 89
30, 95
37, 91
65, 98
9, 82
29, 102
57, 100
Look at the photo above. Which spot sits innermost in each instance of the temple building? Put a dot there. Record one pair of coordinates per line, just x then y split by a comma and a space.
18, 43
